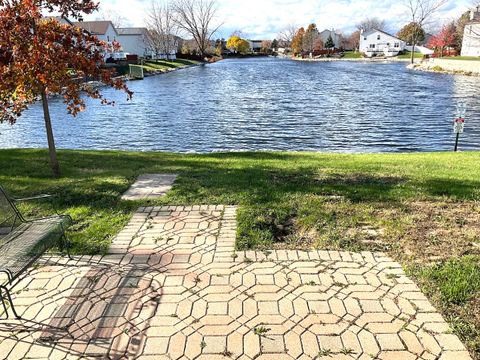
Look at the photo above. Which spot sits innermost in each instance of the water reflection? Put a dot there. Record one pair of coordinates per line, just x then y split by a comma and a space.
269, 104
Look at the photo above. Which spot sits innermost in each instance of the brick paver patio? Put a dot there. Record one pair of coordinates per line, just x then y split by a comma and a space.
172, 287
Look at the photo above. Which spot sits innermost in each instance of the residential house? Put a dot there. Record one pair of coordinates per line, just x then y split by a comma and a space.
255, 45
134, 41
471, 35
141, 42
379, 43
105, 31
336, 37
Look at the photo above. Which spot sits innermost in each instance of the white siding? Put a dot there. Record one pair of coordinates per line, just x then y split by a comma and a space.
133, 44
377, 42
471, 40
110, 35
255, 45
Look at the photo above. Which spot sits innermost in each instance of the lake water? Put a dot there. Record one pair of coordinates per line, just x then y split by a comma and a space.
269, 104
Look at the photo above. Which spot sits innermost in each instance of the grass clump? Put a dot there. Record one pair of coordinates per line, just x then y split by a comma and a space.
458, 279
408, 55
454, 286
352, 55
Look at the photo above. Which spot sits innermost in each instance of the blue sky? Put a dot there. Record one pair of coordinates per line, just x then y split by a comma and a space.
263, 19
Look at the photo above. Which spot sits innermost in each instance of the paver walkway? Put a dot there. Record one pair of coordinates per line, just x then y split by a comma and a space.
150, 186
173, 288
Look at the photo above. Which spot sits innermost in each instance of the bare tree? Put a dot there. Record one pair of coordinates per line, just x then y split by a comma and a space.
162, 28
420, 13
310, 38
240, 34
114, 17
286, 35
371, 24
197, 18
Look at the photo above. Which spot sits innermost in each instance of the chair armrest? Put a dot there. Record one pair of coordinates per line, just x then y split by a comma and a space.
38, 197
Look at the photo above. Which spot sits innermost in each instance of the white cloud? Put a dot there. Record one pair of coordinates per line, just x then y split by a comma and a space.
264, 18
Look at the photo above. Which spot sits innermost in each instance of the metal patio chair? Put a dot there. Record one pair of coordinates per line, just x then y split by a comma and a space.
22, 241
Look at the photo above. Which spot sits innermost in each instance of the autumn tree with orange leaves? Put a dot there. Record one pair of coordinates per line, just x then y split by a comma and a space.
444, 39
297, 41
39, 55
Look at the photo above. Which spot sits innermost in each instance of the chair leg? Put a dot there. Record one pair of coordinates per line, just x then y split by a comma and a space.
3, 303
10, 301
66, 245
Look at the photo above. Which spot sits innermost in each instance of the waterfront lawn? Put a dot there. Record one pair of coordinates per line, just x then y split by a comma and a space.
164, 65
465, 58
352, 55
408, 55
422, 209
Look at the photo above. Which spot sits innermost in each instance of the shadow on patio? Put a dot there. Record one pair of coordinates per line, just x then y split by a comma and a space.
104, 314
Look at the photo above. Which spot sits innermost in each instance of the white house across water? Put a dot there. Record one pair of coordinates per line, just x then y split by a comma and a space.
134, 41
471, 36
104, 31
379, 43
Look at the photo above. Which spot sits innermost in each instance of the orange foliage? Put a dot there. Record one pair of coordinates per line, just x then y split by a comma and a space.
38, 54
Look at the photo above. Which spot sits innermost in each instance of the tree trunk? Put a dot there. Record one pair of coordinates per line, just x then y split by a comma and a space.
413, 53
51, 141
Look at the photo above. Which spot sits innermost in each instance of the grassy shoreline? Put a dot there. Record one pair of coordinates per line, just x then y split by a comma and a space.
422, 209
162, 66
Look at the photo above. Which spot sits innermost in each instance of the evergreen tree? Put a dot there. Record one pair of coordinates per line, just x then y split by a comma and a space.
275, 44
329, 44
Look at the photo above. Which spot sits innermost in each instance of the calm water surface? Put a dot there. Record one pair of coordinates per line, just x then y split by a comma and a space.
269, 104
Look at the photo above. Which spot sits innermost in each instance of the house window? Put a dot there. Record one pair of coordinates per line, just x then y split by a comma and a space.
378, 37
366, 38
372, 46
397, 45
108, 38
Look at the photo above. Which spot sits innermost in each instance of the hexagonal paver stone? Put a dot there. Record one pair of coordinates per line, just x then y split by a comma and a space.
150, 186
170, 288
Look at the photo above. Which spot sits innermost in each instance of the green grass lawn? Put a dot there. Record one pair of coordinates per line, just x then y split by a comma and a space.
352, 55
468, 58
422, 209
153, 65
408, 55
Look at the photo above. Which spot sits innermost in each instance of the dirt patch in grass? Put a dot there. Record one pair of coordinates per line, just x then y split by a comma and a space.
430, 228
411, 231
